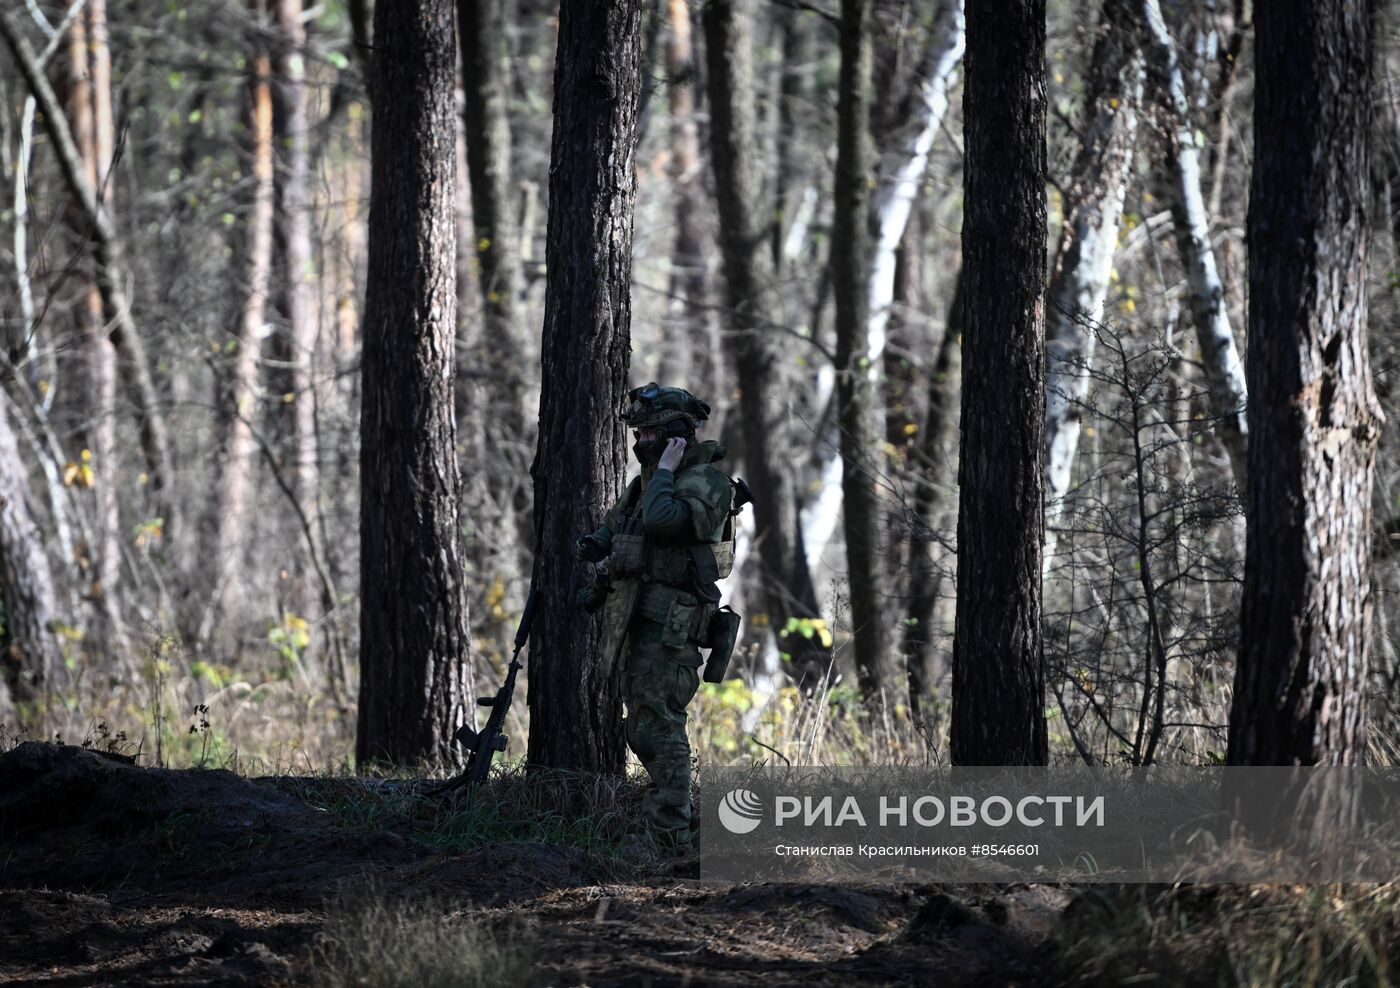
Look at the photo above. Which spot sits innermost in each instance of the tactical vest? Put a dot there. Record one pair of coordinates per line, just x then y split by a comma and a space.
670, 584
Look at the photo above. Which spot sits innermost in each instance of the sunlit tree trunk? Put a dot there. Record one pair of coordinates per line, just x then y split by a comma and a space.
241, 388
102, 356
293, 178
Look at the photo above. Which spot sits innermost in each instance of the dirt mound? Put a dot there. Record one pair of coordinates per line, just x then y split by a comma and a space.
46, 785
79, 820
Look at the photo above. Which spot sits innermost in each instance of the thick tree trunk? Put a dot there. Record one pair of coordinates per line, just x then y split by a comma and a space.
415, 669
293, 178
242, 386
1113, 97
998, 660
1305, 623
854, 387
750, 293
580, 463
1220, 357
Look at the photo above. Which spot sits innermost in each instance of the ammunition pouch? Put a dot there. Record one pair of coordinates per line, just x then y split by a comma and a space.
721, 636
628, 557
684, 619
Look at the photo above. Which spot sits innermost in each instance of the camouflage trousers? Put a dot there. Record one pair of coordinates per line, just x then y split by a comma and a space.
658, 682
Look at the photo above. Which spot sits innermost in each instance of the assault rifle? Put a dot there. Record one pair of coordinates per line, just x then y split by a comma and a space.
484, 744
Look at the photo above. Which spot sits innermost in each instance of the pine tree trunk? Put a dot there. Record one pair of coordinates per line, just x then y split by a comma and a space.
89, 84
415, 669
293, 178
698, 361
580, 463
998, 660
242, 387
1314, 420
854, 386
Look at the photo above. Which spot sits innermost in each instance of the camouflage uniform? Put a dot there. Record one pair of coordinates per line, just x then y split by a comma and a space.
667, 539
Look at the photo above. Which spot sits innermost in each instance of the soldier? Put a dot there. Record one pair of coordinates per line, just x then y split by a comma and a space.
661, 548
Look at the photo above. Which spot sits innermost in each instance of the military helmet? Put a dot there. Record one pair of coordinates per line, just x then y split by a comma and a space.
652, 405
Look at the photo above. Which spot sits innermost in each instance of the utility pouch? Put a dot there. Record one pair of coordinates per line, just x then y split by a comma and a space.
678, 630
628, 555
724, 558
722, 637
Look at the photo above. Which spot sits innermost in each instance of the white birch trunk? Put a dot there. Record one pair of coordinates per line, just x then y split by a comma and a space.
1220, 357
902, 167
1085, 261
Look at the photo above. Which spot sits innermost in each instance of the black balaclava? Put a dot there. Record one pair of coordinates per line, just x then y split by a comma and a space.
649, 453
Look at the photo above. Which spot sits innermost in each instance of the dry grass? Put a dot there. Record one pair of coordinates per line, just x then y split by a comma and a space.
373, 942
1265, 936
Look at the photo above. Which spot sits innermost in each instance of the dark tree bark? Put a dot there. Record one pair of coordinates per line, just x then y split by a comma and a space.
1305, 623
415, 673
580, 461
998, 658
756, 340
849, 263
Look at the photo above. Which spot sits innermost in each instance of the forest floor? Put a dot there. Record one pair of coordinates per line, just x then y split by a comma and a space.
114, 874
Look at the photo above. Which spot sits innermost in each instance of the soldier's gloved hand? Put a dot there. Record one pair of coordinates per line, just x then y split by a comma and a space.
589, 549
671, 455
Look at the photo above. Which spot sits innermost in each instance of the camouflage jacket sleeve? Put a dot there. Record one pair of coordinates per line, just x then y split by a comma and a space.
612, 521
705, 491
664, 514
